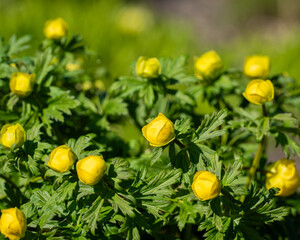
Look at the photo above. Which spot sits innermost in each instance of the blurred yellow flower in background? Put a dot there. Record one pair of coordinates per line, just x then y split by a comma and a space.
257, 66
134, 19
56, 28
208, 66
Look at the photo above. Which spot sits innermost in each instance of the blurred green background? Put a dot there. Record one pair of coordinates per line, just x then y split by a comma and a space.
120, 31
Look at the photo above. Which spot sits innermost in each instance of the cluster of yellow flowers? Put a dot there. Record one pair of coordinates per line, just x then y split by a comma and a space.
160, 131
89, 170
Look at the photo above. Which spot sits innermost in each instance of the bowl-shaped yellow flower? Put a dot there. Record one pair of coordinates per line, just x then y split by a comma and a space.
208, 66
283, 175
259, 91
12, 135
21, 84
206, 185
91, 169
159, 132
13, 223
56, 28
257, 66
148, 67
62, 159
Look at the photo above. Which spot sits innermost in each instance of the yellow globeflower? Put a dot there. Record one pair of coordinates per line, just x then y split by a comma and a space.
91, 169
12, 134
206, 185
160, 131
61, 159
148, 67
257, 66
13, 223
208, 66
56, 28
283, 175
259, 91
21, 84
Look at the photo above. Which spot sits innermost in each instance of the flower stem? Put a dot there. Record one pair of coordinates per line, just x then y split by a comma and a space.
257, 157
180, 144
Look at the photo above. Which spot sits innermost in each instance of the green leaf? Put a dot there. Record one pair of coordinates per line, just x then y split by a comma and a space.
93, 214
161, 183
43, 66
60, 103
114, 106
156, 153
81, 144
17, 45
208, 126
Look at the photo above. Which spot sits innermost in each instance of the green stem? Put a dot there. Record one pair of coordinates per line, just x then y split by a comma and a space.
10, 182
180, 144
188, 231
257, 157
255, 162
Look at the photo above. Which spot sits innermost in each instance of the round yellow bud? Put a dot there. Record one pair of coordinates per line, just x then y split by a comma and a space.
257, 66
13, 223
259, 91
148, 67
12, 135
208, 66
56, 28
283, 175
91, 169
159, 132
61, 159
206, 185
21, 84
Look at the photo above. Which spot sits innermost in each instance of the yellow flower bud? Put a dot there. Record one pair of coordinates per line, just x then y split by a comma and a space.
61, 159
13, 223
206, 185
12, 135
208, 66
259, 91
91, 169
159, 132
283, 175
257, 66
148, 67
56, 28
21, 84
